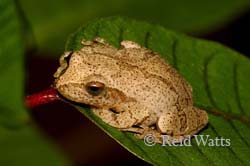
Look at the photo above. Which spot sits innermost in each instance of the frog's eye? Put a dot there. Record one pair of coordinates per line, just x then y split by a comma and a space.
95, 88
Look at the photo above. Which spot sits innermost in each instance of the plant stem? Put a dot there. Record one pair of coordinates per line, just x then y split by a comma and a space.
40, 98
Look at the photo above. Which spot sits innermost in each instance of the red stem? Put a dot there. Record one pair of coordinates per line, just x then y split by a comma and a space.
43, 97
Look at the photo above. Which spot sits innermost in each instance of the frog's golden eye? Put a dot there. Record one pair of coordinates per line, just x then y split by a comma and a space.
95, 88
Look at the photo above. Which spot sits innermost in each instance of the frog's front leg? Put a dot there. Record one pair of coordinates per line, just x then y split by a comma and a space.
124, 118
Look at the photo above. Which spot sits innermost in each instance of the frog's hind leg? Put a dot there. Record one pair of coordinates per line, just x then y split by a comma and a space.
182, 123
175, 126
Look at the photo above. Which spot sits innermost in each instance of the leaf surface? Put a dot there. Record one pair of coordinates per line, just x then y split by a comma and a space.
220, 81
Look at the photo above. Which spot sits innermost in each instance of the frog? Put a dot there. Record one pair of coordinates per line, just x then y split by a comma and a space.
130, 88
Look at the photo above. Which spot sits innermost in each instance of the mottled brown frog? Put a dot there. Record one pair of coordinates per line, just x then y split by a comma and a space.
131, 88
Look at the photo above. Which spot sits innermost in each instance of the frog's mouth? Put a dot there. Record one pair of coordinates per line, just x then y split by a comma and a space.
113, 110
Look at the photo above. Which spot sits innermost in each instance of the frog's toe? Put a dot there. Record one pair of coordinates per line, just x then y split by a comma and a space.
134, 130
100, 40
85, 42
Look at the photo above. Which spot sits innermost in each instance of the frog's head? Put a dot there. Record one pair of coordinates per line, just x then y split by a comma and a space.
84, 81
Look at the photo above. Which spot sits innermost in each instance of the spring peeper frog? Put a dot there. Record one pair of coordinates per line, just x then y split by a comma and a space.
131, 88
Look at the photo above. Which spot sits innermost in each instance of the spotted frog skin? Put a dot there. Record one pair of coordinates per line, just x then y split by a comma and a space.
131, 88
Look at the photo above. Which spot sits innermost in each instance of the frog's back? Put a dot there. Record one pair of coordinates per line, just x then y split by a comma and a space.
156, 68
139, 66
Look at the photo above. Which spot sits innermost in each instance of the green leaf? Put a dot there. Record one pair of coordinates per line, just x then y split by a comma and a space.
53, 21
20, 143
220, 81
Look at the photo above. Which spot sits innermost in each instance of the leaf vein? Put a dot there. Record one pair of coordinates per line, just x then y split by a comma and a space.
216, 133
235, 129
205, 74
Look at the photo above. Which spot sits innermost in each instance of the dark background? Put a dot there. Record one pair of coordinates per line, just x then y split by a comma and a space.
79, 138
